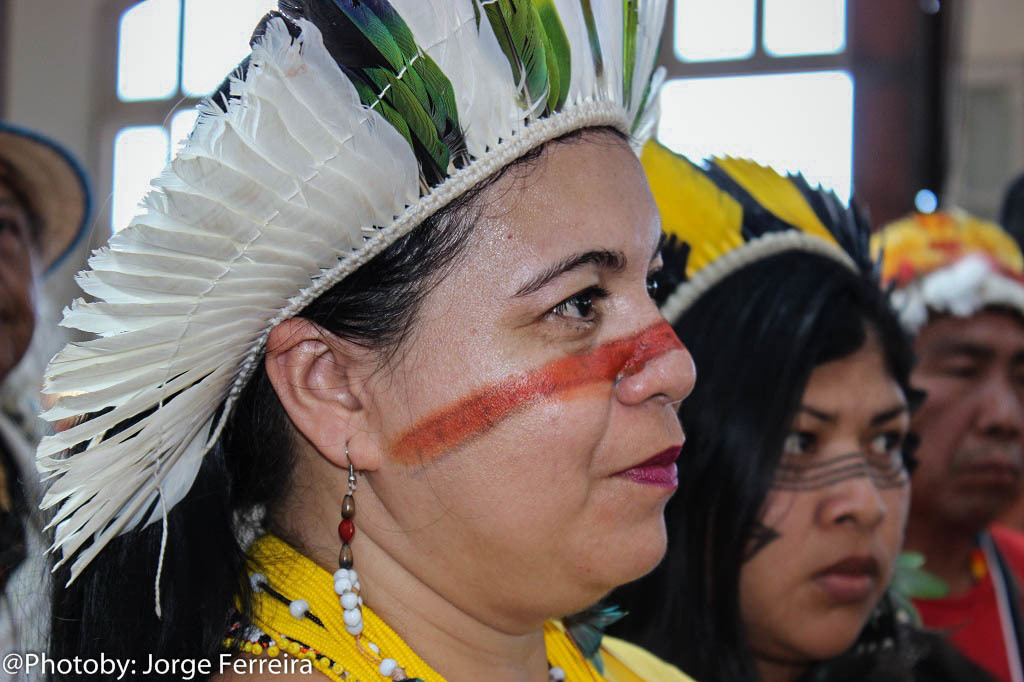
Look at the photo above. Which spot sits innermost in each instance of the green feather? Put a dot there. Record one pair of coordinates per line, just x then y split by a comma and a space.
558, 51
630, 20
521, 37
439, 89
368, 95
595, 41
587, 627
374, 30
553, 76
418, 91
400, 96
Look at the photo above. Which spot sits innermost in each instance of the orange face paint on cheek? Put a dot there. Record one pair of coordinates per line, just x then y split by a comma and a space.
482, 410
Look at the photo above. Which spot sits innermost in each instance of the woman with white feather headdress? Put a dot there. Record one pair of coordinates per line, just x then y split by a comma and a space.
378, 388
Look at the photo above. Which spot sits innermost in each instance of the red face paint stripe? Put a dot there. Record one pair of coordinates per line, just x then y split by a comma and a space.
485, 408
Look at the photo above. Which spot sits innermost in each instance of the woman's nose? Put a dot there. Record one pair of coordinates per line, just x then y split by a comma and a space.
668, 376
856, 499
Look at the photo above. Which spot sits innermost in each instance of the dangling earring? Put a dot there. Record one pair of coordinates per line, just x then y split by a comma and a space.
346, 586
347, 527
346, 581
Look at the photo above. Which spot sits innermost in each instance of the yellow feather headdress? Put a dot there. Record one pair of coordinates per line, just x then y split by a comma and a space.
731, 212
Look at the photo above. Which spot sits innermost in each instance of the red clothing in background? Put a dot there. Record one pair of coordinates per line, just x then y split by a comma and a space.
971, 620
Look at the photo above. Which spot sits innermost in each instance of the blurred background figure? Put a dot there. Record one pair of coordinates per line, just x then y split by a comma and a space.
1011, 215
794, 486
959, 286
44, 205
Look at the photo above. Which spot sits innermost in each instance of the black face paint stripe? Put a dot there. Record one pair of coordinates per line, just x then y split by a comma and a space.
760, 537
802, 477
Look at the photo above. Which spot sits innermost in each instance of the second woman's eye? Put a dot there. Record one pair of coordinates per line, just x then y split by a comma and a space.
798, 443
887, 444
580, 306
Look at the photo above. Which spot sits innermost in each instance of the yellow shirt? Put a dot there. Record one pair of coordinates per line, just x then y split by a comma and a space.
327, 647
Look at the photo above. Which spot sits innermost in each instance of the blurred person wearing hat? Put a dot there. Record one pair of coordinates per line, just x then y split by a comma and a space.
958, 285
44, 205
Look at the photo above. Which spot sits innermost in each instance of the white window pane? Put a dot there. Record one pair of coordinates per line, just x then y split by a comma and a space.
147, 50
182, 124
794, 27
216, 39
140, 154
708, 30
792, 122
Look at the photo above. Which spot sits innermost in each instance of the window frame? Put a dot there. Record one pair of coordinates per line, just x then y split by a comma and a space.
760, 62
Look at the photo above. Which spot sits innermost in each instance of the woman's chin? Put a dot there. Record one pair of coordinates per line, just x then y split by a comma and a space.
639, 551
829, 643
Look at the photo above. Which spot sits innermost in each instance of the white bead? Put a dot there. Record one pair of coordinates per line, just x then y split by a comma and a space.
257, 581
356, 586
352, 575
354, 629
349, 600
373, 647
340, 573
299, 608
556, 674
387, 666
342, 585
360, 601
352, 616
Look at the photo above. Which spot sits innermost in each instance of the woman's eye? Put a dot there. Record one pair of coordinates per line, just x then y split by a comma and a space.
798, 443
962, 371
652, 285
580, 306
887, 444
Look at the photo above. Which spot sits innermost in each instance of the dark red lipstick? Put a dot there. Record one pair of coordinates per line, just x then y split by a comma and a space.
851, 580
659, 471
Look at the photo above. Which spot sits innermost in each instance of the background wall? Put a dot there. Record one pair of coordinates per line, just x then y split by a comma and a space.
987, 110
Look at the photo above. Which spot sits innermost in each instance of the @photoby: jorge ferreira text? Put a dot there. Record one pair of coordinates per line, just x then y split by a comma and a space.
182, 668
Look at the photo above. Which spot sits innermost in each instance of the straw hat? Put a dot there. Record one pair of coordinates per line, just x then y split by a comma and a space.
57, 188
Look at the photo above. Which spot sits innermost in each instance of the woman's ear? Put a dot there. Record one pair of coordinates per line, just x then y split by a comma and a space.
314, 375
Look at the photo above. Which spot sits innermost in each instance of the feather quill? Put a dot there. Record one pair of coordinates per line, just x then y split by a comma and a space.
630, 24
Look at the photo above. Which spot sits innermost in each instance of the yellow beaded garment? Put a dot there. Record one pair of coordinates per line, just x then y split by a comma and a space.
290, 584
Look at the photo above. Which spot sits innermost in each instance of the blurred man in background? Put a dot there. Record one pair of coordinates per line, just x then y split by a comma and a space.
44, 204
959, 287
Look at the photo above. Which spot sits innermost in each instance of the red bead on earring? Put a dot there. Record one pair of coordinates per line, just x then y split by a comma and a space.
347, 527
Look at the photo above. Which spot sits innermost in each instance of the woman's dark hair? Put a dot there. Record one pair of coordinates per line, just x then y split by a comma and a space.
755, 338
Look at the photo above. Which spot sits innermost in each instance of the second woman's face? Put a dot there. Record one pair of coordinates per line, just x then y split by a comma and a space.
834, 519
528, 428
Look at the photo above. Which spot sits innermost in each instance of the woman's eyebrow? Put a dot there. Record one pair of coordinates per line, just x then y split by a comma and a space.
818, 414
608, 260
886, 415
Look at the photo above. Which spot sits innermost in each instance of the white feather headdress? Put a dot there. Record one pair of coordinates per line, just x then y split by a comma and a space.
308, 171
